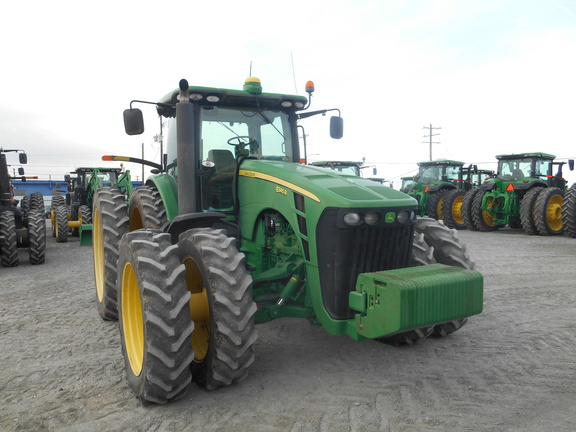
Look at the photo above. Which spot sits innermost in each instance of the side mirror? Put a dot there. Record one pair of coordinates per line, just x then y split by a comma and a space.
23, 157
21, 170
133, 121
67, 178
375, 171
571, 164
336, 127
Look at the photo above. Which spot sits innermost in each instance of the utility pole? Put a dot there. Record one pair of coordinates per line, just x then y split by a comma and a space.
430, 135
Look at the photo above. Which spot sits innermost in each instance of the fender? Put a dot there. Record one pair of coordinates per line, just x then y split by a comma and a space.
168, 190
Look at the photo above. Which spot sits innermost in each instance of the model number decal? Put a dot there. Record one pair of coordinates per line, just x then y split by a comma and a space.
281, 190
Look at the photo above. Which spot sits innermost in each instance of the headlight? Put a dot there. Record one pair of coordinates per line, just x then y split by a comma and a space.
372, 218
405, 216
352, 219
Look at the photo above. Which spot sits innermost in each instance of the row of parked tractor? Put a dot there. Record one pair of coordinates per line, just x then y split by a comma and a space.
527, 191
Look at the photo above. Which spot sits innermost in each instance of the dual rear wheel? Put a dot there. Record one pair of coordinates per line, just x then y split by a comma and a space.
541, 211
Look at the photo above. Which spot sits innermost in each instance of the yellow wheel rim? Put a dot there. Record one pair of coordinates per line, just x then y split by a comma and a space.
132, 323
554, 212
98, 255
199, 309
439, 208
457, 210
486, 215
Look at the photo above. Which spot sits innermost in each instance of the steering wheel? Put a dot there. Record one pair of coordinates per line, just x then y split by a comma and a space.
239, 139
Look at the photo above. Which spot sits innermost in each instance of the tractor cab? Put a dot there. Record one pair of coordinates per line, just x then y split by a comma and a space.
527, 168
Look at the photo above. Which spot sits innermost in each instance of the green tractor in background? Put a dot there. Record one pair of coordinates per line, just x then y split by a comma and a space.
349, 168
23, 226
439, 188
73, 213
233, 231
524, 193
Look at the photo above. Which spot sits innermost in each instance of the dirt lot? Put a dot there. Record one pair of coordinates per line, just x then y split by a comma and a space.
512, 368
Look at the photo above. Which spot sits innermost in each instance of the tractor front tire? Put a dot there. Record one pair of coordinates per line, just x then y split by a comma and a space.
447, 247
36, 237
548, 211
422, 254
61, 224
9, 249
569, 213
154, 315
85, 215
110, 223
448, 251
36, 202
452, 209
221, 307
527, 206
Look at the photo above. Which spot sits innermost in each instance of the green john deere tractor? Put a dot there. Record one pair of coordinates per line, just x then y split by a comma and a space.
23, 226
234, 231
73, 213
524, 193
439, 188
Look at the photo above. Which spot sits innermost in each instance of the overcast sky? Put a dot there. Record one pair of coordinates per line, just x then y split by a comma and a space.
498, 76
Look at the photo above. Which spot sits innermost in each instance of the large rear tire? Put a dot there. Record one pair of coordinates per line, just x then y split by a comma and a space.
452, 209
8, 249
146, 209
483, 219
36, 237
434, 204
155, 324
548, 211
467, 204
569, 213
221, 307
109, 224
527, 210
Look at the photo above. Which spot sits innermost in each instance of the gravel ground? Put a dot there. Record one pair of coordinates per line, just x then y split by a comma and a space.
511, 368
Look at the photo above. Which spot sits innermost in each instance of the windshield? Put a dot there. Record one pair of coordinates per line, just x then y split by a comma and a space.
266, 134
436, 173
517, 169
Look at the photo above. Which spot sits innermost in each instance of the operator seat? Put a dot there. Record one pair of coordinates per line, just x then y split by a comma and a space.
220, 184
517, 174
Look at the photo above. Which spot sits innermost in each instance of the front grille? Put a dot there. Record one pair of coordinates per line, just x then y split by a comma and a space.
344, 253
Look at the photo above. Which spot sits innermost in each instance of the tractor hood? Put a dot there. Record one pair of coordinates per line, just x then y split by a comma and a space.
329, 188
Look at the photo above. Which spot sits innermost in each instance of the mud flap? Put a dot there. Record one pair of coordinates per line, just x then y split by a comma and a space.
85, 235
397, 300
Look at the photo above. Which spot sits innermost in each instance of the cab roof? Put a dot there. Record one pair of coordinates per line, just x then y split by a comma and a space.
250, 97
441, 162
526, 155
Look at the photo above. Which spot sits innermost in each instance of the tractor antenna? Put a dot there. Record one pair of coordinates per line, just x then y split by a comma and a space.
250, 69
294, 73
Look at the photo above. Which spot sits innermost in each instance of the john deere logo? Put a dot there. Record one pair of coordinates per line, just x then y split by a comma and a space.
390, 217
